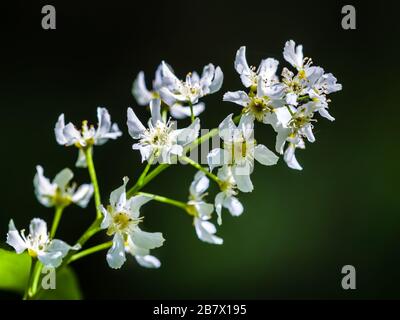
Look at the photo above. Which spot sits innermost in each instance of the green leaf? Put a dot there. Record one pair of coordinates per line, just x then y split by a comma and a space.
67, 287
14, 274
14, 271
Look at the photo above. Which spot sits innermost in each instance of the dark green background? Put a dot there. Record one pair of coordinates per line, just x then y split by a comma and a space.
299, 228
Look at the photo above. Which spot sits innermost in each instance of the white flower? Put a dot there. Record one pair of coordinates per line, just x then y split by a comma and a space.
265, 106
59, 192
201, 210
161, 140
250, 76
310, 80
240, 150
121, 219
179, 95
50, 252
144, 96
226, 198
300, 126
68, 135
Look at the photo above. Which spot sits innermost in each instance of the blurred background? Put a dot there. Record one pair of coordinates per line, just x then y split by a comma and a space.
298, 228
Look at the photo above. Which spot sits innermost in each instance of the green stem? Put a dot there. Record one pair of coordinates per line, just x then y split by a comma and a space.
89, 251
191, 112
56, 220
201, 168
93, 177
28, 287
162, 199
145, 171
36, 278
32, 289
92, 230
155, 172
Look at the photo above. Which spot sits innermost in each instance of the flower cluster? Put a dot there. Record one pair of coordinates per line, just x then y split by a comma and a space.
289, 103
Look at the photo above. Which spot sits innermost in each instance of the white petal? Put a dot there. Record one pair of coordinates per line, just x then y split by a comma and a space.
246, 126
116, 254
44, 190
59, 130
199, 184
242, 67
135, 203
63, 178
216, 158
324, 113
116, 194
147, 240
290, 158
226, 128
219, 199
233, 205
205, 231
145, 151
139, 90
38, 228
14, 239
103, 121
82, 196
59, 246
148, 261
265, 156
308, 132
267, 69
187, 135
81, 161
71, 134
239, 97
180, 112
206, 77
107, 219
168, 76
216, 84
291, 98
282, 135
242, 178
135, 127
293, 54
155, 110
168, 97
204, 209
50, 259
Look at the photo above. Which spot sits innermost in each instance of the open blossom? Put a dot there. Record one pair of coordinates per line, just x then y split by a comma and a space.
202, 210
266, 105
69, 135
226, 198
250, 76
293, 133
50, 252
180, 95
310, 81
240, 150
121, 219
161, 140
60, 192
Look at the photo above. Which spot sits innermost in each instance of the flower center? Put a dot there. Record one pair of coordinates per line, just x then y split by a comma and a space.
259, 107
158, 136
122, 220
